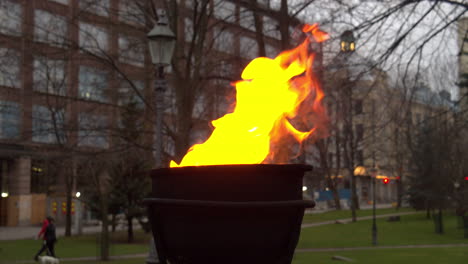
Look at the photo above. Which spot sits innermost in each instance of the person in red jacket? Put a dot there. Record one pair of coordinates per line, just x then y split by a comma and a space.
47, 233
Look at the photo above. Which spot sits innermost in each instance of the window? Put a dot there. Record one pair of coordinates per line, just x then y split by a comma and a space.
271, 52
10, 74
246, 19
100, 7
50, 28
132, 12
225, 10
92, 131
10, 119
128, 95
93, 84
271, 27
188, 29
248, 48
10, 17
48, 124
131, 50
49, 76
358, 107
93, 38
359, 132
223, 40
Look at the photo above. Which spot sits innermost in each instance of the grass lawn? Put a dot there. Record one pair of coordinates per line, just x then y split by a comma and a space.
76, 246
343, 214
120, 261
454, 255
411, 230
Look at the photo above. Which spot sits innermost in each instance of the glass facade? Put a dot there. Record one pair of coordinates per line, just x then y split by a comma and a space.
10, 18
50, 28
10, 74
48, 124
10, 120
49, 76
92, 130
93, 84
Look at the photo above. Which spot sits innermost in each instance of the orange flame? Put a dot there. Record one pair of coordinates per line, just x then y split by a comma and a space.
273, 92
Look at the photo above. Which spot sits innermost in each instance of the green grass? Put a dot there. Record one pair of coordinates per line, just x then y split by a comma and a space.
411, 230
120, 261
453, 255
76, 246
343, 214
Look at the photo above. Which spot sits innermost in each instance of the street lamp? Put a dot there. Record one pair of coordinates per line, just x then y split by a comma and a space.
161, 42
373, 172
347, 41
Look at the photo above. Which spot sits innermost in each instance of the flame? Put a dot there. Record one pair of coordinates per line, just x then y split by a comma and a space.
272, 94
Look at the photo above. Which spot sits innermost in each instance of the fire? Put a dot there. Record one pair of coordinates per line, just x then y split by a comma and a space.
270, 95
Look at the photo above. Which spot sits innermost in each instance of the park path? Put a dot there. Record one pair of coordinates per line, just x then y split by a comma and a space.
348, 220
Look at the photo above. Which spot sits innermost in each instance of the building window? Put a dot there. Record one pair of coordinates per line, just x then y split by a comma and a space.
48, 124
93, 84
225, 10
49, 76
132, 12
223, 40
248, 47
100, 7
359, 132
10, 74
92, 131
10, 120
92, 38
131, 50
188, 29
271, 52
10, 18
50, 28
358, 107
271, 27
246, 19
132, 93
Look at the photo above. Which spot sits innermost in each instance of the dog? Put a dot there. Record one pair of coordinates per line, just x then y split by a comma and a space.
48, 260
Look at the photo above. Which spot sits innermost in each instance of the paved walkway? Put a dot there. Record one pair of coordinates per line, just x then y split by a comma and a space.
348, 220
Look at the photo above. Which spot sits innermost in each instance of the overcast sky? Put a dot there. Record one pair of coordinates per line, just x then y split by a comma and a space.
437, 60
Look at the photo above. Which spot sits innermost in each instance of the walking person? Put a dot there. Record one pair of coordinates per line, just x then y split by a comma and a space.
48, 235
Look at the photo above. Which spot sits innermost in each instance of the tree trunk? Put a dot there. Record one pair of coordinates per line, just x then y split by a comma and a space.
104, 229
130, 230
114, 224
68, 213
284, 25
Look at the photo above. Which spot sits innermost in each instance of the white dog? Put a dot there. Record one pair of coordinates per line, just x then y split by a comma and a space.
48, 260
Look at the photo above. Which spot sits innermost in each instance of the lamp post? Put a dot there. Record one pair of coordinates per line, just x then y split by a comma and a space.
161, 42
347, 42
374, 222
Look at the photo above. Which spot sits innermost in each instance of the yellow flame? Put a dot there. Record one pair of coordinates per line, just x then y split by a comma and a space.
269, 94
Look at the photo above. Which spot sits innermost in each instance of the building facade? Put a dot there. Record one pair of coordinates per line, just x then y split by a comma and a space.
70, 68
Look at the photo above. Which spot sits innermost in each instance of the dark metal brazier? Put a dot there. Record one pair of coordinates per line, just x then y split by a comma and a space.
227, 213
